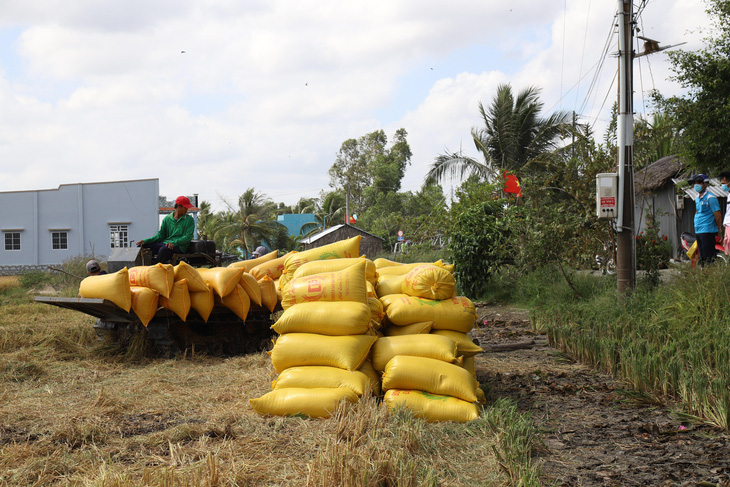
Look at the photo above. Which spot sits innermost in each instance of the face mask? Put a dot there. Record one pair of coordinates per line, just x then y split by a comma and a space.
724, 188
698, 188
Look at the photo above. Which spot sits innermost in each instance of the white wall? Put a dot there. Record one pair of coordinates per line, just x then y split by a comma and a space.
84, 211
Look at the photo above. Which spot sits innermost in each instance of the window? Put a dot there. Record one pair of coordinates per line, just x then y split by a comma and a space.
12, 240
119, 236
60, 240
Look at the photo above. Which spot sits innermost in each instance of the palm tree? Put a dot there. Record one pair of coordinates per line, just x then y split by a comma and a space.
330, 212
514, 136
252, 221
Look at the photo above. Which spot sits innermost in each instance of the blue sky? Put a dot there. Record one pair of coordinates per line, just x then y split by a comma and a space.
266, 91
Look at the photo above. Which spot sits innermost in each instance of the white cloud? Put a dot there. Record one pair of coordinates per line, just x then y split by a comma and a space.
266, 91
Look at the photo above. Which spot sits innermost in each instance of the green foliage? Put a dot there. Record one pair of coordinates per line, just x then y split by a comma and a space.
512, 137
653, 250
35, 279
250, 223
480, 233
366, 167
703, 114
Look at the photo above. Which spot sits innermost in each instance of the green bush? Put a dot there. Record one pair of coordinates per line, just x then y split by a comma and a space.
479, 243
35, 279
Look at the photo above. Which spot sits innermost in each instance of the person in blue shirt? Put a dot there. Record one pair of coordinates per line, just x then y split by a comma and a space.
707, 218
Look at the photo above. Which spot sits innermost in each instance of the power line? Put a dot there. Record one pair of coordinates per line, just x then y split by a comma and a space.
582, 53
562, 59
597, 72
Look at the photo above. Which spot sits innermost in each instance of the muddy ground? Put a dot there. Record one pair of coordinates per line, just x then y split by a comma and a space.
594, 432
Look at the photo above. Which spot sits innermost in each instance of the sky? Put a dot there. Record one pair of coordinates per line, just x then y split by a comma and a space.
216, 96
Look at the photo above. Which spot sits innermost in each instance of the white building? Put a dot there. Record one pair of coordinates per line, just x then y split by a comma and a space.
46, 227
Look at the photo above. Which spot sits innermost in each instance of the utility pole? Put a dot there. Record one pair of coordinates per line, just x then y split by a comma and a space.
626, 243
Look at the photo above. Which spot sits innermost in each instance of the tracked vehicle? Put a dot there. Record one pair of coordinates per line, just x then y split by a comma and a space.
166, 334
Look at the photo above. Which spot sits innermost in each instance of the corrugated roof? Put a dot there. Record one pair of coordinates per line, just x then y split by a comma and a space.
713, 188
329, 230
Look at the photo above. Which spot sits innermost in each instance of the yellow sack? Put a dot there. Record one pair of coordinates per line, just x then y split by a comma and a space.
269, 296
237, 301
154, 277
469, 365
203, 302
370, 290
372, 375
390, 285
345, 285
456, 314
403, 269
412, 329
315, 403
380, 263
179, 300
144, 303
449, 267
334, 265
113, 287
185, 271
429, 375
377, 313
464, 344
223, 280
251, 263
337, 250
271, 268
296, 349
431, 346
430, 282
318, 376
325, 318
432, 407
692, 250
251, 286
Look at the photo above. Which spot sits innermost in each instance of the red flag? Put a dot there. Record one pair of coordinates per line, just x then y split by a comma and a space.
512, 184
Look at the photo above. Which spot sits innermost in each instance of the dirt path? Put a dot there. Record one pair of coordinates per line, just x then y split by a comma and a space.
593, 434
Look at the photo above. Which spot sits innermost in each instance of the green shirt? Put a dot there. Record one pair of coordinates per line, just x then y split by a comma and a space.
177, 232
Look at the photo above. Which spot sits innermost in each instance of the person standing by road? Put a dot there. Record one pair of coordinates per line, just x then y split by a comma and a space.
707, 218
176, 232
725, 182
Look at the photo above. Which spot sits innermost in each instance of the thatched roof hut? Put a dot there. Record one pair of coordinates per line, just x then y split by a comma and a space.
370, 245
657, 174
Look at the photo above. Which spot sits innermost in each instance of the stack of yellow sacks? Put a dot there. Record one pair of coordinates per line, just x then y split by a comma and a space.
143, 289
325, 333
427, 358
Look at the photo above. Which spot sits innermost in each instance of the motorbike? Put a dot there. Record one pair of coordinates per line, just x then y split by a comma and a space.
688, 241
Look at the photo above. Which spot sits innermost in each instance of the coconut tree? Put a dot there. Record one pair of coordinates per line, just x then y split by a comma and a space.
252, 221
514, 138
331, 211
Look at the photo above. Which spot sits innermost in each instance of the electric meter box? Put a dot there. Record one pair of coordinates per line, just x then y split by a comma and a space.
607, 195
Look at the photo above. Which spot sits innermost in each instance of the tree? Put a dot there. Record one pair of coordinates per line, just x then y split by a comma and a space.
329, 211
704, 113
367, 165
252, 221
514, 137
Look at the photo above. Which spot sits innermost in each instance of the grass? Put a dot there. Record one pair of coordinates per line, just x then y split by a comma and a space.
670, 340
71, 414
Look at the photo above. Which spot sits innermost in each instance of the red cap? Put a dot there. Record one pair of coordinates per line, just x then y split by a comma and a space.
184, 201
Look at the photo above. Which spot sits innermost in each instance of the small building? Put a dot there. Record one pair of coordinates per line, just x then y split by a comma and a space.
655, 194
46, 227
295, 221
370, 245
